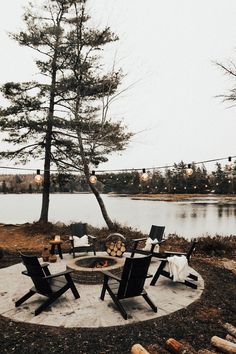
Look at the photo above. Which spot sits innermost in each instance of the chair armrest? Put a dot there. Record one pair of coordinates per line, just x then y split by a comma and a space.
110, 275
139, 239
160, 255
149, 276
45, 268
58, 274
92, 237
172, 253
163, 240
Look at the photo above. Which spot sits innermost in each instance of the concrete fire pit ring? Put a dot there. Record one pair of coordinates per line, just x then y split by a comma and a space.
84, 274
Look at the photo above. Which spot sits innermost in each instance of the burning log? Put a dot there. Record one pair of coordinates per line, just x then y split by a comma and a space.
223, 344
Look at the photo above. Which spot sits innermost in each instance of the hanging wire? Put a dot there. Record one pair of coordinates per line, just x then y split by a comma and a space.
123, 169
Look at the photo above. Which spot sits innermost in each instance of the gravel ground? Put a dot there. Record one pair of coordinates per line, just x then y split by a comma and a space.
195, 325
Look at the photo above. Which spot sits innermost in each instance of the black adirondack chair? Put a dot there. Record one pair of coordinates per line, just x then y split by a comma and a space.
156, 232
191, 278
130, 284
79, 230
50, 285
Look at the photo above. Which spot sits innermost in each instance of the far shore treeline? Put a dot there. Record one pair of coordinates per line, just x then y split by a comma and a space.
171, 180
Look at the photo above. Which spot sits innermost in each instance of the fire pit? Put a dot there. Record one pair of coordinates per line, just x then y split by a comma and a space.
88, 269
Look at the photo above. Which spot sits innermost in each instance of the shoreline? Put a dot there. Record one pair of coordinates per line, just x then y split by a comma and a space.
220, 198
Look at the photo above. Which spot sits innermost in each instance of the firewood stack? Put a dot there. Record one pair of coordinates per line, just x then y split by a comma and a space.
227, 345
115, 245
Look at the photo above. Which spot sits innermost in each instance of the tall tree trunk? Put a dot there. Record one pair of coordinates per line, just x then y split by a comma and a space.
79, 75
48, 139
107, 219
46, 181
47, 158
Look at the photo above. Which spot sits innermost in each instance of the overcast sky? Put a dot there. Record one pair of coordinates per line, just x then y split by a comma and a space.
168, 49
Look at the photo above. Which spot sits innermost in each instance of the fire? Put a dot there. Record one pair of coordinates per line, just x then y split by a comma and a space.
103, 264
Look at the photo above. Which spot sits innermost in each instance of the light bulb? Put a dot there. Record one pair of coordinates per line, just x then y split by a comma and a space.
189, 170
93, 178
230, 164
38, 178
144, 176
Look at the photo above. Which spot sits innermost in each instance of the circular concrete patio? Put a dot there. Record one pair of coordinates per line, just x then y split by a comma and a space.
89, 310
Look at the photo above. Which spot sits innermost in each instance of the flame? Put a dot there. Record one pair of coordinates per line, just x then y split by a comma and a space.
102, 264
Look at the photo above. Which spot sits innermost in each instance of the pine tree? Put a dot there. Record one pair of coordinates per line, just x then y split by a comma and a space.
89, 135
57, 118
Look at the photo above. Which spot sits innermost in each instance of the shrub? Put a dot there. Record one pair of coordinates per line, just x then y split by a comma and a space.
217, 245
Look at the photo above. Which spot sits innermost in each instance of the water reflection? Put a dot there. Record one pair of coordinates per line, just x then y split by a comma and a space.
220, 211
183, 218
228, 210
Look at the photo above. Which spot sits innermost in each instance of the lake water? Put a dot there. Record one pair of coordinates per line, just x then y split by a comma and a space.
186, 218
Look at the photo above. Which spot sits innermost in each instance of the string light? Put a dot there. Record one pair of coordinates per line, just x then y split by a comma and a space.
230, 163
189, 170
127, 169
144, 176
38, 178
93, 178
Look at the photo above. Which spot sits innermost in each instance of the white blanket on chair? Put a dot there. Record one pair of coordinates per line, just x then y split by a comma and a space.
178, 267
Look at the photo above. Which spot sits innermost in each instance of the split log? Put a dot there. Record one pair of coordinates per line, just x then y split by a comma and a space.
112, 245
223, 344
177, 347
231, 338
230, 329
138, 349
116, 249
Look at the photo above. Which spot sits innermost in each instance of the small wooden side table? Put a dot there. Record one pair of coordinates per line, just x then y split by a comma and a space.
55, 244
